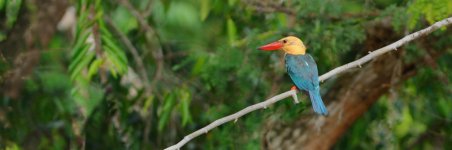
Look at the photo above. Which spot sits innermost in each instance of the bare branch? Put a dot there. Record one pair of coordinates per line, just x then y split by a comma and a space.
325, 76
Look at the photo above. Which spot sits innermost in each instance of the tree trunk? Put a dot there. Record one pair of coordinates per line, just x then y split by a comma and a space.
349, 98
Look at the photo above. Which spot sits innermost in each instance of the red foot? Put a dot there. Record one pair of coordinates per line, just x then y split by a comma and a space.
294, 88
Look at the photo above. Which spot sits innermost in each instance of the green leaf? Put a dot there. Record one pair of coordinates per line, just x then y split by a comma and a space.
205, 9
199, 66
78, 67
444, 108
166, 111
118, 66
91, 98
432, 11
80, 41
185, 99
403, 127
12, 11
124, 20
147, 104
115, 50
97, 5
83, 23
115, 55
104, 30
83, 2
166, 4
2, 4
232, 30
11, 146
231, 2
282, 20
78, 56
94, 68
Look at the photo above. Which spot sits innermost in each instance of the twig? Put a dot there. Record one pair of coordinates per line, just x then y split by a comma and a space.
147, 11
158, 54
97, 42
325, 76
135, 55
137, 14
120, 130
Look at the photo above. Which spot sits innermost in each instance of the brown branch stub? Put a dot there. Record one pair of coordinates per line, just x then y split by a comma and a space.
338, 70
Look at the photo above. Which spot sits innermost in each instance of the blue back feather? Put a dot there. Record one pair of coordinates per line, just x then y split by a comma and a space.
302, 69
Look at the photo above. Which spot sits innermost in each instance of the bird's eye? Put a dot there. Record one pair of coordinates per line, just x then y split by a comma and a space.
284, 41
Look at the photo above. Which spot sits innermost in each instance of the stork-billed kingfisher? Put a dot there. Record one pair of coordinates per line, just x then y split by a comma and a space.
302, 69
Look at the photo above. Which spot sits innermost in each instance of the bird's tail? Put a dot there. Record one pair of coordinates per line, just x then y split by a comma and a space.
317, 102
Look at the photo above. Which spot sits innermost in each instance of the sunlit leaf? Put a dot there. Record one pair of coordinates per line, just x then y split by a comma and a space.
205, 9
12, 146
405, 124
80, 62
166, 4
231, 2
199, 66
166, 111
94, 68
232, 31
147, 104
95, 95
12, 11
124, 20
118, 53
80, 42
432, 11
2, 4
184, 97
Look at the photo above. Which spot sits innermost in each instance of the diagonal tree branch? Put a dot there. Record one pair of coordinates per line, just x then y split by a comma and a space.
338, 70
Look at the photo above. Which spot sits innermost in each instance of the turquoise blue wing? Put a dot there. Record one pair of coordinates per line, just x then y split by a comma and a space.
302, 69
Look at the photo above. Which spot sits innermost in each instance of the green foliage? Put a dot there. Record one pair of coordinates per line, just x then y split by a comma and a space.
232, 30
94, 51
178, 100
11, 11
204, 9
418, 109
432, 11
124, 20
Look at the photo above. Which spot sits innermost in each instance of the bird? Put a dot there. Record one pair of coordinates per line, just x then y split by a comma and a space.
301, 68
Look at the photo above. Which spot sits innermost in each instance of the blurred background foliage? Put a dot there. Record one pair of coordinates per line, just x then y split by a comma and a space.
141, 74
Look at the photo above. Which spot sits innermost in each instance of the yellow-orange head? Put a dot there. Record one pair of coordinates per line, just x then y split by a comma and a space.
291, 45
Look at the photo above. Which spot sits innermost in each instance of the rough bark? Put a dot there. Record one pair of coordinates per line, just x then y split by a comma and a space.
36, 23
350, 97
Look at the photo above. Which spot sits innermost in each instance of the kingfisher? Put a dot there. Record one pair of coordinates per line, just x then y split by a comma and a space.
301, 68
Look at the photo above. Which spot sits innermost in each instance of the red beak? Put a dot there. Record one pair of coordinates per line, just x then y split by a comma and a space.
272, 46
